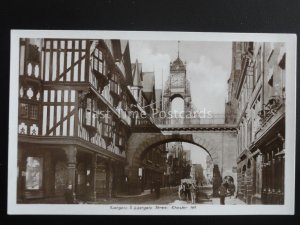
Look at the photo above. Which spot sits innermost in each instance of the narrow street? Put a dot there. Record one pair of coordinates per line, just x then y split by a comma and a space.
169, 196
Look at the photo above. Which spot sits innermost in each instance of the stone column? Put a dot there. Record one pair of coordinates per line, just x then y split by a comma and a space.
71, 153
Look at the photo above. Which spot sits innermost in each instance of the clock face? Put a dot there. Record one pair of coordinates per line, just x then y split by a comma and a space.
177, 80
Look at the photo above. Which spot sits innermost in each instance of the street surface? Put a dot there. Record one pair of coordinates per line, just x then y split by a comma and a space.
168, 196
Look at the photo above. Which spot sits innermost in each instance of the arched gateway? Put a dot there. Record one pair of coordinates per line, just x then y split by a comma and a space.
219, 141
217, 138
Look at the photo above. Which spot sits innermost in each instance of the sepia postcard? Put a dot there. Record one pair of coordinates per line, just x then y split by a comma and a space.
151, 123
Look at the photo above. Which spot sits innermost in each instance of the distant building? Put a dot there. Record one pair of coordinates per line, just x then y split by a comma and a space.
179, 167
209, 169
197, 173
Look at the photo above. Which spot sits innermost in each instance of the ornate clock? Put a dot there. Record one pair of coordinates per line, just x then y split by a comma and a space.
177, 80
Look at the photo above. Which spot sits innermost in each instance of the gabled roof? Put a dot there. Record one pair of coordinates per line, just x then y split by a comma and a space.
137, 73
122, 56
149, 85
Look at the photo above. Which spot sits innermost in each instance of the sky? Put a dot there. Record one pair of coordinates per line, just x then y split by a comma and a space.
208, 69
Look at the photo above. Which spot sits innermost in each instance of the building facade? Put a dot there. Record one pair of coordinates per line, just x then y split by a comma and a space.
197, 174
257, 96
78, 100
178, 163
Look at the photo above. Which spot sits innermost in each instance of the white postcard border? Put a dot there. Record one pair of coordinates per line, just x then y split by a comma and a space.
83, 209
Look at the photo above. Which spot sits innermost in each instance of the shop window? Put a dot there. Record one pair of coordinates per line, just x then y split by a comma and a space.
24, 110
34, 173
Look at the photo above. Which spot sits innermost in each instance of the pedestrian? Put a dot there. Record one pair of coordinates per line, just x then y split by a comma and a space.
189, 192
157, 188
193, 193
222, 192
180, 191
186, 191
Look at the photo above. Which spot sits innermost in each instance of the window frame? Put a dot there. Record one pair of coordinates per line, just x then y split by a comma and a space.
98, 59
22, 109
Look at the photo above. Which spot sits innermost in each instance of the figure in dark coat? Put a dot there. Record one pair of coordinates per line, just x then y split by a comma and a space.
157, 189
222, 193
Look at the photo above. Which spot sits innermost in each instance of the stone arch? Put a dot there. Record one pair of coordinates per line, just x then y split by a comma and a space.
211, 141
176, 95
150, 142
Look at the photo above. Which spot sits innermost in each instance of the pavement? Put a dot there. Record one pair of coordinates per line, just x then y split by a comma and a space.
167, 196
145, 192
228, 201
212, 201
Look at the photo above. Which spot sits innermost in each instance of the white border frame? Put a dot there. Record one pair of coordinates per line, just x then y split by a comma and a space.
61, 209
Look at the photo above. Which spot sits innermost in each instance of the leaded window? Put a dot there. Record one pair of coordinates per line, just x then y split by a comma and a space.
24, 110
98, 61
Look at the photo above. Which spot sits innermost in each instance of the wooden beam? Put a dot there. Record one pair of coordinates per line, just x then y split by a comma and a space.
61, 121
70, 68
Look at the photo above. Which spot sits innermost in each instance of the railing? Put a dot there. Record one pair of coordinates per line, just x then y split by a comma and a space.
158, 122
211, 119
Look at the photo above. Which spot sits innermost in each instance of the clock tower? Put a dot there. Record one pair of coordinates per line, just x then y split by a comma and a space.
177, 85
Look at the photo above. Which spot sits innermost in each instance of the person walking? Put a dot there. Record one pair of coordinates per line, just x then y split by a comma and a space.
193, 193
157, 188
186, 191
180, 191
222, 193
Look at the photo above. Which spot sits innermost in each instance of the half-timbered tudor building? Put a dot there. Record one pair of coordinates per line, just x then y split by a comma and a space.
76, 101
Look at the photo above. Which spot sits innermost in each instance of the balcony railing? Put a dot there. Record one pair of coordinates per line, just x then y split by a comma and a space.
211, 119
